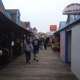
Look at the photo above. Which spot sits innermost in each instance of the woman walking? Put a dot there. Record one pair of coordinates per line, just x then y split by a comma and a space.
28, 48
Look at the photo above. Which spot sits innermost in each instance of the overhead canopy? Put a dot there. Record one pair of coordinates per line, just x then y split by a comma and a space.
73, 8
11, 25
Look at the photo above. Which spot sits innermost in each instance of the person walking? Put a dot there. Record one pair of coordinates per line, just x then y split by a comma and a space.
41, 46
36, 44
28, 48
45, 44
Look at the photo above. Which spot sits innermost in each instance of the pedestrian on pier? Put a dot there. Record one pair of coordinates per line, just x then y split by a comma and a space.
28, 48
36, 45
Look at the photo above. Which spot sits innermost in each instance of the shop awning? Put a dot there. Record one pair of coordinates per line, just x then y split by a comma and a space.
11, 25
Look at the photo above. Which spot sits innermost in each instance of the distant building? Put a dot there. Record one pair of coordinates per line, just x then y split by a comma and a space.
27, 25
49, 33
23, 25
14, 15
34, 30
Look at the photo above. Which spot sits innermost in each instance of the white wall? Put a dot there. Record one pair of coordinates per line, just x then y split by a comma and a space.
75, 51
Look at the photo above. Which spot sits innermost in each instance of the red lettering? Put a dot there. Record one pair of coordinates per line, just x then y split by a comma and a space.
72, 4
68, 11
77, 4
68, 6
76, 9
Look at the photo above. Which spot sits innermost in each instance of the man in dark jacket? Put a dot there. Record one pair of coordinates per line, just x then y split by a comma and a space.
36, 44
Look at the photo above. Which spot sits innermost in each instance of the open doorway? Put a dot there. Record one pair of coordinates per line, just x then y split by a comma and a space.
69, 46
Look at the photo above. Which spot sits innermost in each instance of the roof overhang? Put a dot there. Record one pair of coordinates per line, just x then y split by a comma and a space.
11, 25
68, 26
13, 11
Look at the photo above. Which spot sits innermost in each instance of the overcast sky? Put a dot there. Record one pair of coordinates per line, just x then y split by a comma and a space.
41, 13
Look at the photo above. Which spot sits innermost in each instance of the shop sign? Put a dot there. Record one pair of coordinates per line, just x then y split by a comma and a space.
72, 9
53, 27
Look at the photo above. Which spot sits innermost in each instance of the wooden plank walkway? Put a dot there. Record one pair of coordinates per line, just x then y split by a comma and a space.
49, 67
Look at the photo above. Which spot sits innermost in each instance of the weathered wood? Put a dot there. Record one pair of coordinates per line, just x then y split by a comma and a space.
49, 67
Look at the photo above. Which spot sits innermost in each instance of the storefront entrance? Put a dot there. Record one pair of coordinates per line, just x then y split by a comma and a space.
69, 46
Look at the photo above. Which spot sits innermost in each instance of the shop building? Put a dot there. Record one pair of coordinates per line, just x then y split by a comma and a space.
11, 34
70, 37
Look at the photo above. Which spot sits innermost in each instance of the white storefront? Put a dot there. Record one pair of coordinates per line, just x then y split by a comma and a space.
73, 12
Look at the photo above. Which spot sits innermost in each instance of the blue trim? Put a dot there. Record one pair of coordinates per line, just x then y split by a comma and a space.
0, 1
67, 25
13, 12
72, 26
71, 22
3, 7
8, 15
16, 19
19, 20
66, 47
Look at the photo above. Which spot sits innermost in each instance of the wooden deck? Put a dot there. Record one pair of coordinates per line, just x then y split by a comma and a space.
49, 67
